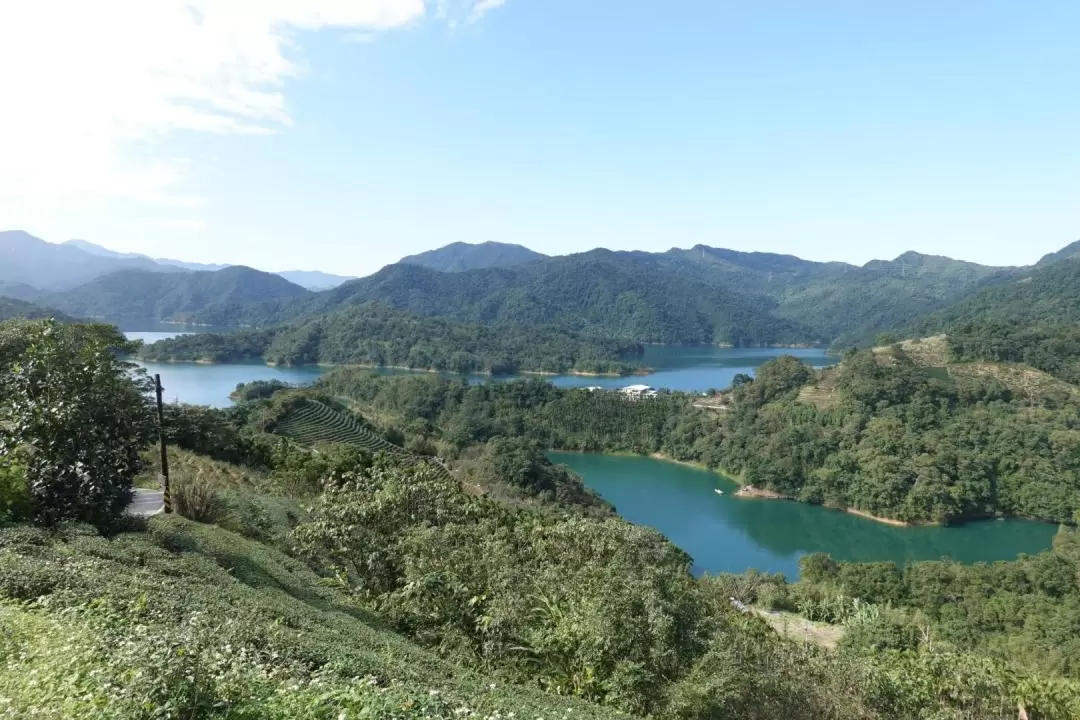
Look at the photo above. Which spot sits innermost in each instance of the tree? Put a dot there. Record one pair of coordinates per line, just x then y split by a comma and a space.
73, 416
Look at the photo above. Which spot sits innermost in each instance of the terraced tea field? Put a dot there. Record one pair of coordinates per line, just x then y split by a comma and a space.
314, 422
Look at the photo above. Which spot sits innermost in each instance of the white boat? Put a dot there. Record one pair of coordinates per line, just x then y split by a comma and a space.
718, 491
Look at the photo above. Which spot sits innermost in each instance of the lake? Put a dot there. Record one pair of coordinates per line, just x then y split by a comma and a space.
689, 369
724, 533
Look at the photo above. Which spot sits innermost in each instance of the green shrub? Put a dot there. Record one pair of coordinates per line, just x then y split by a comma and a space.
15, 501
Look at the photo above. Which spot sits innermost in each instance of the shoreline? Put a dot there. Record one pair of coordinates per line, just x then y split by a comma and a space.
368, 366
749, 491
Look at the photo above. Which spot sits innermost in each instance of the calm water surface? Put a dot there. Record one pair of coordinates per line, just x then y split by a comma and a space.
724, 533
211, 384
689, 369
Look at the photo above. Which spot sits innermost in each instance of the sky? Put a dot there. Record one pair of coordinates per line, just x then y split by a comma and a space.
340, 135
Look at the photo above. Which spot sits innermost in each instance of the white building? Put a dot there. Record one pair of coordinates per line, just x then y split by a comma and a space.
638, 392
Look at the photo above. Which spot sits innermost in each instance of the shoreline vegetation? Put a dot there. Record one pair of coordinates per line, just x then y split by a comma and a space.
750, 492
373, 335
370, 366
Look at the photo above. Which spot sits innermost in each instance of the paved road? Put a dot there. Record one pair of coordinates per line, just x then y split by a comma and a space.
147, 502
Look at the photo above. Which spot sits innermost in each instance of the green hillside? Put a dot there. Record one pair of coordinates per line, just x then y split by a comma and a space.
370, 334
1044, 295
459, 257
600, 293
11, 309
883, 295
141, 296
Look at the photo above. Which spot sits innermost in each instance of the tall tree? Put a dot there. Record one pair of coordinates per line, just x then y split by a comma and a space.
73, 417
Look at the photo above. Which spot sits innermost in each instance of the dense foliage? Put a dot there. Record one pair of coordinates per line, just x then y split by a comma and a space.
371, 334
880, 433
554, 608
1026, 611
886, 436
1054, 349
702, 295
73, 419
456, 416
1048, 295
602, 294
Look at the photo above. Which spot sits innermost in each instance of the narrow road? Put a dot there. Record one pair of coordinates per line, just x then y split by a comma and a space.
146, 503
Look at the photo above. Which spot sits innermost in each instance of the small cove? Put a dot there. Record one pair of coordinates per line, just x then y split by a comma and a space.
724, 533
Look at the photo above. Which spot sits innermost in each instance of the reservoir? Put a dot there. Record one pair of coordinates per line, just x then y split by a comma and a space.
721, 532
689, 369
724, 533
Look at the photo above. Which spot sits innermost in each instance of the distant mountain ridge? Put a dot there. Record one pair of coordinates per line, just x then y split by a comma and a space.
601, 293
138, 297
460, 257
310, 279
31, 261
697, 295
13, 309
30, 265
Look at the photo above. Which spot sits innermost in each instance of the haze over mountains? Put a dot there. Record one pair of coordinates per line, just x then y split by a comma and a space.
30, 261
697, 295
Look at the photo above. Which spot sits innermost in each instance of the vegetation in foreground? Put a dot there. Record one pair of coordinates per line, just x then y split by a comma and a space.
337, 584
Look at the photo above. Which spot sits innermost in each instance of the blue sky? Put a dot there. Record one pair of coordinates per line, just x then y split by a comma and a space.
344, 137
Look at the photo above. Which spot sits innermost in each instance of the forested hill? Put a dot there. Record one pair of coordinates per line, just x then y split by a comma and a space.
701, 295
12, 309
907, 432
458, 257
853, 307
140, 296
371, 334
1045, 295
601, 293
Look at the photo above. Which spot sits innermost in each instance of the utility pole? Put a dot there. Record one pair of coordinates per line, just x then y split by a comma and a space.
164, 452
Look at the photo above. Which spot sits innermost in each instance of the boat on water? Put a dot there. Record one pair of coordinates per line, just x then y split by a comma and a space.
718, 491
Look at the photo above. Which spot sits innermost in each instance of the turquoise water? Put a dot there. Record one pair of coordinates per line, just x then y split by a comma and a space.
689, 369
724, 533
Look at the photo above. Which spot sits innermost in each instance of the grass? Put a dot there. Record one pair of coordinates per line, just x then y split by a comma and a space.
796, 627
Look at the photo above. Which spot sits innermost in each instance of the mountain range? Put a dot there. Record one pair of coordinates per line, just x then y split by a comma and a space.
42, 266
697, 295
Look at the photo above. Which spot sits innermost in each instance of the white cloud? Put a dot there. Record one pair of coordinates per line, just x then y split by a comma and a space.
482, 6
91, 91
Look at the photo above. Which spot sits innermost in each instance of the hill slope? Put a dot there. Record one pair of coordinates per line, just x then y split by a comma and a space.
882, 295
600, 293
137, 296
459, 256
1045, 295
20, 291
375, 335
11, 308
